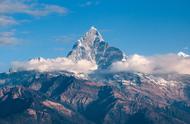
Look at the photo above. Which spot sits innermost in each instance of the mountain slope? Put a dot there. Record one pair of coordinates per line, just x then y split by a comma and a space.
92, 47
99, 97
20, 105
122, 98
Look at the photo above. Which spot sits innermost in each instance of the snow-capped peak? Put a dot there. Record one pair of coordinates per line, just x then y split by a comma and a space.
86, 46
93, 28
182, 54
93, 48
92, 34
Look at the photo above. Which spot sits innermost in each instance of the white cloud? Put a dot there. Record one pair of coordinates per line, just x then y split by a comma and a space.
6, 20
58, 64
169, 63
28, 7
89, 3
31, 8
66, 38
8, 38
43, 10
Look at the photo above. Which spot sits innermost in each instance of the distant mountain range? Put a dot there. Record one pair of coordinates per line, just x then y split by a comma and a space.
41, 94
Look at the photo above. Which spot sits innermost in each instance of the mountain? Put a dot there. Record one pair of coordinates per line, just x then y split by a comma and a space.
100, 97
92, 47
121, 98
182, 54
87, 47
20, 105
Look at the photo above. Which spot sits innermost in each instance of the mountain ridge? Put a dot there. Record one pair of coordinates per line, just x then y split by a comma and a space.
100, 97
92, 47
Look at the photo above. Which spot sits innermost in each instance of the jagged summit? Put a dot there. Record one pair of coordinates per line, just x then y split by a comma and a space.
182, 54
91, 35
86, 46
92, 47
93, 28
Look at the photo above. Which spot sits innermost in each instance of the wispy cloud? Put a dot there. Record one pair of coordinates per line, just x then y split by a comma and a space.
169, 63
186, 48
6, 20
43, 10
89, 3
105, 30
28, 7
66, 38
31, 8
8, 38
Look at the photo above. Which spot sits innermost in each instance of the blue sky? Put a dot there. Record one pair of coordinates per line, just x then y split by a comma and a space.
33, 28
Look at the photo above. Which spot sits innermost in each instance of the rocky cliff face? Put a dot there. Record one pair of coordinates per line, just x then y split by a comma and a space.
92, 47
88, 46
20, 105
120, 98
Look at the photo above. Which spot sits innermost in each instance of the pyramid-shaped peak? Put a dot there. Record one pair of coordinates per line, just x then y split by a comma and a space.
93, 31
93, 48
87, 46
93, 28
91, 35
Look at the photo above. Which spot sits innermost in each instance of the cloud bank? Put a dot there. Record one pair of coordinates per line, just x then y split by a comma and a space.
160, 64
58, 64
169, 63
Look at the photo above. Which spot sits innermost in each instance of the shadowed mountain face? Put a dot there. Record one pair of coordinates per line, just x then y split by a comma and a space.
61, 97
13, 102
122, 98
97, 110
20, 105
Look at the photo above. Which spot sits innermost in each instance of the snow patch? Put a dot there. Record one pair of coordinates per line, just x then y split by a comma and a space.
182, 54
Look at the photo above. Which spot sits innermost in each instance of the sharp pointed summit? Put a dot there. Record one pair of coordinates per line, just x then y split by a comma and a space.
182, 54
93, 28
92, 47
86, 47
